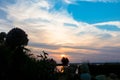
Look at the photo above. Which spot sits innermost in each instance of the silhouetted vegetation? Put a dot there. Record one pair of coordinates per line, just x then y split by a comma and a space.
17, 63
2, 38
65, 61
106, 68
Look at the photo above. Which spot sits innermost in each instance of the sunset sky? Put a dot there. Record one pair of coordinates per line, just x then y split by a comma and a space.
78, 29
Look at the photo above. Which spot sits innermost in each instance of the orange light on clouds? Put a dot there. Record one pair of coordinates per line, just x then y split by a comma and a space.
63, 55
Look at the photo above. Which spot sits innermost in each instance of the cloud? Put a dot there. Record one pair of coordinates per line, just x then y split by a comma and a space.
105, 1
5, 25
56, 30
44, 46
70, 1
106, 54
115, 23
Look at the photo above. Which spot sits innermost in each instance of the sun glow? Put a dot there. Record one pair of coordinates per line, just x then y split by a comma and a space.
63, 55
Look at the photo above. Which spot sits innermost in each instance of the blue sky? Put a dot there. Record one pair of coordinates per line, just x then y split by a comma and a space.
80, 29
93, 12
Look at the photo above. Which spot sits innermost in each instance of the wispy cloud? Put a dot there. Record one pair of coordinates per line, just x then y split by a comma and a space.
115, 23
71, 1
105, 1
68, 1
5, 25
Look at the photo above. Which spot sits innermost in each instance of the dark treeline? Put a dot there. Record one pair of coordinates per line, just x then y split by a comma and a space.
105, 69
17, 62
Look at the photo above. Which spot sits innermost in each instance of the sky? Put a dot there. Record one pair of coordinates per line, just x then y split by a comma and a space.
82, 30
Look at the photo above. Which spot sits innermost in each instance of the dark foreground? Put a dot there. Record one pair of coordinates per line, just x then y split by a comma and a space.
18, 63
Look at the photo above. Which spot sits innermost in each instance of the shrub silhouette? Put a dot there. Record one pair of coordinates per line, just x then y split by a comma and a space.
46, 67
65, 61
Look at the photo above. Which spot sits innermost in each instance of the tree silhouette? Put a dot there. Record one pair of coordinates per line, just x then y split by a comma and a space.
2, 37
65, 61
17, 64
16, 38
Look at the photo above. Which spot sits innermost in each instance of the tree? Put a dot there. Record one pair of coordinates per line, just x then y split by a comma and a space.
16, 38
2, 37
65, 61
13, 53
16, 63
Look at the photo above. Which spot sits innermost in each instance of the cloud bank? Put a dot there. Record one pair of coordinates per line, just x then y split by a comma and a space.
57, 32
104, 1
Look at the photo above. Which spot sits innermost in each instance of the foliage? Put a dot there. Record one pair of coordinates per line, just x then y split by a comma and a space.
2, 37
65, 61
43, 56
15, 62
16, 38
